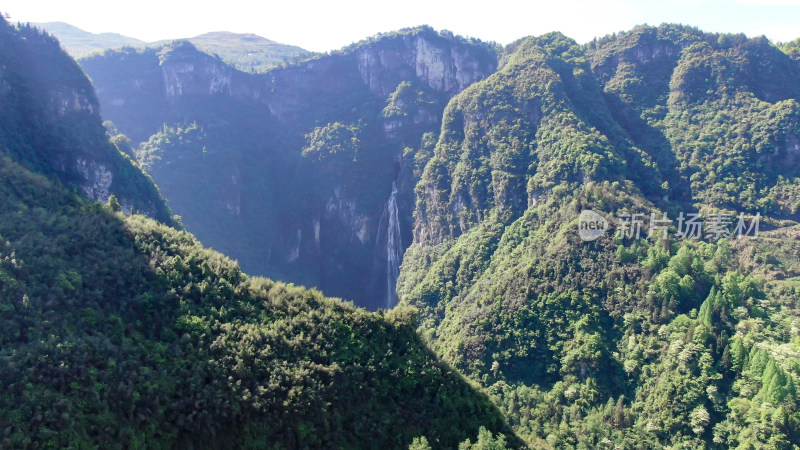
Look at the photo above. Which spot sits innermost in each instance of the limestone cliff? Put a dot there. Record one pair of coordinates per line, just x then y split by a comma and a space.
230, 160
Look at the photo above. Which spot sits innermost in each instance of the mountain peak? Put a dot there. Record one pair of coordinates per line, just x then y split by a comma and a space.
78, 42
245, 51
243, 37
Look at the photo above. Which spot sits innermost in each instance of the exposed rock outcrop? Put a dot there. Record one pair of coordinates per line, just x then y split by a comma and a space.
306, 220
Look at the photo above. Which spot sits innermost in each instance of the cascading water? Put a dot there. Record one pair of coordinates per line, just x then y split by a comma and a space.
394, 248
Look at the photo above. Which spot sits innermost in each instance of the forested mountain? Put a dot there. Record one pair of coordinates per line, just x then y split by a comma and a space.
635, 343
50, 123
247, 52
489, 162
78, 42
119, 331
291, 172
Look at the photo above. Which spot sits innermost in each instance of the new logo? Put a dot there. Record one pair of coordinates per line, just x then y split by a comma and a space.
591, 225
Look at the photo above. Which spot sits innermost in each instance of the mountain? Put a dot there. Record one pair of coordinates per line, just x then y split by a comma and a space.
78, 42
118, 331
50, 123
247, 52
291, 172
601, 237
615, 340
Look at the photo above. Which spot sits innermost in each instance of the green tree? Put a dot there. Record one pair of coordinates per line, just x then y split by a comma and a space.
113, 203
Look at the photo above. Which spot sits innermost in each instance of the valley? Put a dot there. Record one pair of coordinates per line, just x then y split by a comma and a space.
382, 245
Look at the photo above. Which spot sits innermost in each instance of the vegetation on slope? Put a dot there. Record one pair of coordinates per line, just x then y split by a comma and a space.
618, 342
124, 332
723, 106
49, 122
120, 332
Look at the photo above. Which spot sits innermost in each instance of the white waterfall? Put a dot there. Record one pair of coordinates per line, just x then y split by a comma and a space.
394, 248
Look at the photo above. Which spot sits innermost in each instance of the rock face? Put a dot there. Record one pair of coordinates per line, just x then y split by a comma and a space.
443, 68
239, 178
181, 68
49, 121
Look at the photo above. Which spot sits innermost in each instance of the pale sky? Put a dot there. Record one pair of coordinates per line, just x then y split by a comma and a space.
328, 25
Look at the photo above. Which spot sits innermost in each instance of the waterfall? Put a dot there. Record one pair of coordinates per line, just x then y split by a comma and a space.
394, 248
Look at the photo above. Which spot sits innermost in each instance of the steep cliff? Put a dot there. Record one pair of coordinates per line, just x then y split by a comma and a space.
50, 122
279, 194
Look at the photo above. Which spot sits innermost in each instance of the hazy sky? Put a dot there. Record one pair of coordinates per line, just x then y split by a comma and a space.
326, 25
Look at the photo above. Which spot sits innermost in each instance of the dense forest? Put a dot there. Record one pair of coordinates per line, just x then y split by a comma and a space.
672, 339
50, 122
512, 329
122, 332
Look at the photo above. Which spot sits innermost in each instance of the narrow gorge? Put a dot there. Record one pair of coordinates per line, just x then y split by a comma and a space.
289, 171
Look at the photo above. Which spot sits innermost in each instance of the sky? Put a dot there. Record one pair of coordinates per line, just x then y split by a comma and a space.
328, 25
